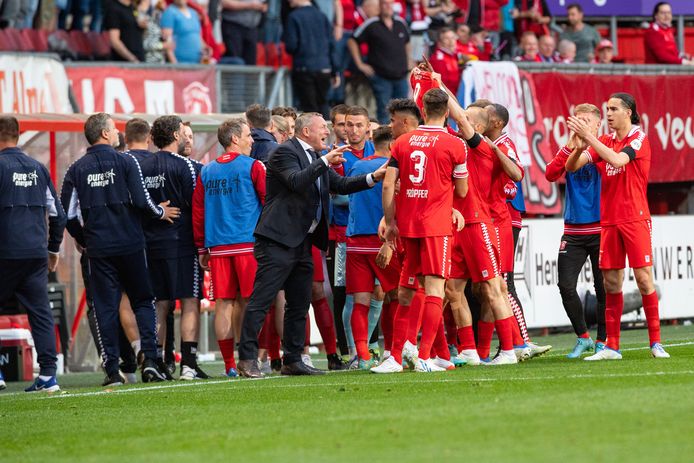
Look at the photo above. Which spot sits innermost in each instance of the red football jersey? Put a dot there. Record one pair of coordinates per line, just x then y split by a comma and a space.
428, 159
623, 194
421, 82
475, 206
497, 205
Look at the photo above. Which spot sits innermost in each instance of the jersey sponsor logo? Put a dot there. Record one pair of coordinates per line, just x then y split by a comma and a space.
611, 170
155, 182
423, 141
25, 179
222, 186
101, 179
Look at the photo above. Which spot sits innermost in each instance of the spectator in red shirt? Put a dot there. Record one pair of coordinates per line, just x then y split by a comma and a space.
445, 59
659, 40
529, 48
531, 15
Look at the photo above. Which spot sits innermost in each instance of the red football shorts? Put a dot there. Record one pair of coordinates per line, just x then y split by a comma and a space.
428, 256
362, 270
476, 253
630, 239
318, 274
504, 234
406, 280
231, 275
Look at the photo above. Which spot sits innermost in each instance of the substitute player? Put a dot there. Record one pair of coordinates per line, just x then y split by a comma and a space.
363, 244
227, 202
581, 237
426, 162
624, 161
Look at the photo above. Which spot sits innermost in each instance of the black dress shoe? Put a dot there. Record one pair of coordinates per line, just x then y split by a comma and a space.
299, 369
336, 363
249, 369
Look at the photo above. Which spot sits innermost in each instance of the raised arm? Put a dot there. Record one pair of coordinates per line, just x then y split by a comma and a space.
608, 155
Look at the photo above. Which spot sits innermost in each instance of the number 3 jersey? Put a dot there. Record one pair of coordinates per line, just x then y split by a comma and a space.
428, 159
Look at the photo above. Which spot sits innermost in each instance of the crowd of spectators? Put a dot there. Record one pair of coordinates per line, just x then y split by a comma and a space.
334, 41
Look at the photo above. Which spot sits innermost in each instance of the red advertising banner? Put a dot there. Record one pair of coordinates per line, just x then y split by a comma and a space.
664, 103
114, 89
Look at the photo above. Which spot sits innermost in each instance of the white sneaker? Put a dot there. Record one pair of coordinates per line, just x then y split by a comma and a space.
410, 354
658, 352
536, 351
469, 356
442, 363
307, 360
505, 357
130, 378
605, 354
265, 367
523, 353
390, 365
188, 374
386, 354
427, 366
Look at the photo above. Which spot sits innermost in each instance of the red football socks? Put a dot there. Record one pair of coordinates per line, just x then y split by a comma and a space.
614, 304
650, 306
431, 320
226, 347
485, 331
516, 333
441, 344
387, 317
401, 323
326, 324
466, 337
360, 330
449, 323
416, 312
585, 335
504, 330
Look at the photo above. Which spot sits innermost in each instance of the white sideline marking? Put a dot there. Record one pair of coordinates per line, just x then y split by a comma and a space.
64, 394
380, 383
628, 349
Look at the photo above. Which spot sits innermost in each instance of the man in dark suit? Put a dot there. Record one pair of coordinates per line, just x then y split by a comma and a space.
294, 218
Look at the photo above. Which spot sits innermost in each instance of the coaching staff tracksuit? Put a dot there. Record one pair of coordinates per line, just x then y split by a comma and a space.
27, 194
102, 193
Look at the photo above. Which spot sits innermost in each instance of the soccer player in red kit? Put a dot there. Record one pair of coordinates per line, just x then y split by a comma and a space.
429, 163
507, 169
476, 252
624, 161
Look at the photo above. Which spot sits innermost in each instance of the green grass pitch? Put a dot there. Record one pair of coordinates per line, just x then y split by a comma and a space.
548, 409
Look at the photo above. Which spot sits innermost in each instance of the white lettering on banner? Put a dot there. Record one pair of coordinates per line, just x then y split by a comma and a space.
87, 96
670, 130
536, 275
159, 96
115, 92
33, 85
196, 99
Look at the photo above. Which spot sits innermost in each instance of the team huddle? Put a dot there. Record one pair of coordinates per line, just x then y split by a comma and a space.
435, 210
